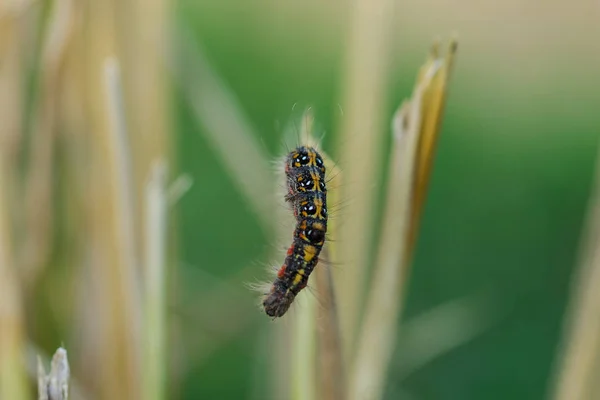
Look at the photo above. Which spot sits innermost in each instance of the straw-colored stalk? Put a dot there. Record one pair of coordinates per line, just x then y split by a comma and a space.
39, 188
154, 332
316, 316
578, 367
144, 40
362, 132
304, 346
125, 108
13, 376
331, 368
331, 360
415, 127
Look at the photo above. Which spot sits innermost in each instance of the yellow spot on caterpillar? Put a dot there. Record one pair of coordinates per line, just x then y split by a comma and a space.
298, 277
309, 253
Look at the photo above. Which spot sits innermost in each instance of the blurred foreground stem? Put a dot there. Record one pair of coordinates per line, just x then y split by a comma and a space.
416, 128
580, 362
154, 365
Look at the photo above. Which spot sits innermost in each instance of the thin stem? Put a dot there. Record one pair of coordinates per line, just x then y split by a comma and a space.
154, 369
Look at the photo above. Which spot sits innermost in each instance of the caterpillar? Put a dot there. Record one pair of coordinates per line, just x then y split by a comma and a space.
307, 194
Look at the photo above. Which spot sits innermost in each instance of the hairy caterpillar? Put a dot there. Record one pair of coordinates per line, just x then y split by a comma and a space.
305, 173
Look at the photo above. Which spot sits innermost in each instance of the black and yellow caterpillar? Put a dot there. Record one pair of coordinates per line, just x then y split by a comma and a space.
307, 193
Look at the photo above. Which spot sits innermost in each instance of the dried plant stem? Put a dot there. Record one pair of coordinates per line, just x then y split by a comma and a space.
124, 319
13, 383
125, 200
362, 130
13, 373
39, 190
304, 360
416, 128
436, 72
155, 361
579, 365
304, 356
331, 370
376, 338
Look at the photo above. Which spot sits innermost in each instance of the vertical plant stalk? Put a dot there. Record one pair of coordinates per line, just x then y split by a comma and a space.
122, 160
577, 372
144, 39
331, 370
304, 356
433, 107
13, 375
39, 186
362, 132
376, 338
331, 361
416, 127
154, 332
128, 322
55, 384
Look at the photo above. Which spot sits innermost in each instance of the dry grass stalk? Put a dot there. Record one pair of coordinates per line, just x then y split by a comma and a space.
113, 296
415, 127
39, 186
376, 338
577, 372
304, 357
331, 369
434, 99
13, 375
316, 317
155, 357
330, 342
144, 38
55, 384
126, 270
362, 132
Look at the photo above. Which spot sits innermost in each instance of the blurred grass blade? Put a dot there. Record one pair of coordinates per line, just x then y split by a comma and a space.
579, 364
227, 128
155, 359
39, 184
330, 342
122, 160
332, 379
362, 131
438, 71
442, 329
125, 315
13, 375
376, 337
416, 118
304, 349
304, 357
179, 188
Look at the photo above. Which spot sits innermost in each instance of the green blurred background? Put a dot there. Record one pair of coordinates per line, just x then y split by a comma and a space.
506, 203
499, 238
